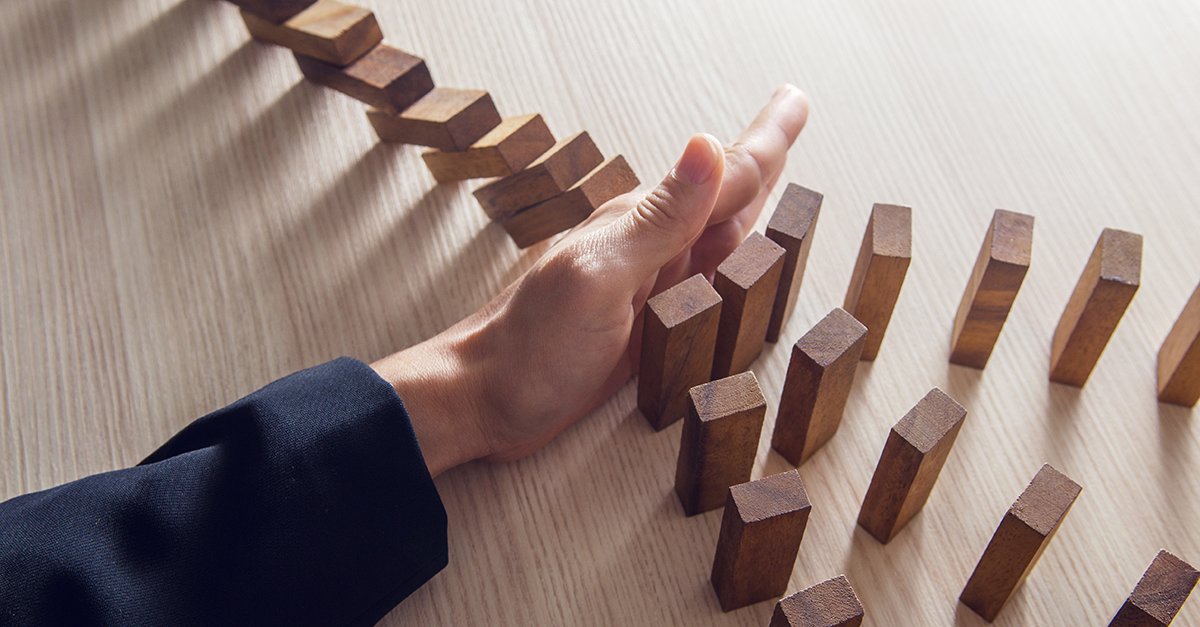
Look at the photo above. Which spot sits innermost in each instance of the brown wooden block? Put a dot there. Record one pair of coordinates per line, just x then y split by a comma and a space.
534, 224
879, 272
1109, 281
1159, 595
1179, 358
912, 458
504, 150
328, 30
445, 118
550, 175
791, 227
819, 377
1023, 534
831, 603
274, 11
747, 281
383, 77
761, 531
678, 338
999, 271
719, 440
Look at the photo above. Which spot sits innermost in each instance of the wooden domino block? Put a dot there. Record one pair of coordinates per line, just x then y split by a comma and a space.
1159, 595
383, 77
719, 440
1179, 358
1109, 281
761, 530
445, 118
819, 377
747, 281
274, 11
831, 603
504, 150
879, 272
1023, 534
999, 271
792, 227
550, 175
328, 30
678, 338
534, 224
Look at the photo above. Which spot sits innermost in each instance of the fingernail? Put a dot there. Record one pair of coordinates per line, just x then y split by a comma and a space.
699, 159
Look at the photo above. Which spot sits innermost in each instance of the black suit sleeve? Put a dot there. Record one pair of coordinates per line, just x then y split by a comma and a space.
304, 503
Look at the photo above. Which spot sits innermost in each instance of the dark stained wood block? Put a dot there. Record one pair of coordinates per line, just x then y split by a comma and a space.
1179, 358
761, 530
328, 30
1023, 534
819, 378
1159, 595
534, 224
719, 440
445, 118
274, 11
504, 150
550, 175
678, 338
999, 271
383, 77
831, 603
912, 458
792, 227
747, 281
879, 272
1109, 281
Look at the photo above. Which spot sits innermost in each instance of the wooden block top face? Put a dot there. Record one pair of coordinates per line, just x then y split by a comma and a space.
769, 497
831, 337
443, 103
756, 256
329, 19
795, 214
1120, 256
727, 397
891, 231
383, 65
683, 301
511, 129
1164, 587
570, 159
1046, 500
1010, 237
609, 180
930, 420
831, 603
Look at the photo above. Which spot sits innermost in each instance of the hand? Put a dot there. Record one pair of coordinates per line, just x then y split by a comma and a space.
565, 336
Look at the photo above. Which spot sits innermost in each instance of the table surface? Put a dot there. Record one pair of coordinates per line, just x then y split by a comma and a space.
185, 219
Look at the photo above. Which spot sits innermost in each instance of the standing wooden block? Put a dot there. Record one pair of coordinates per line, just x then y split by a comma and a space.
831, 603
912, 458
274, 11
879, 272
1179, 358
792, 226
719, 440
819, 377
534, 224
761, 530
504, 150
1159, 595
999, 271
445, 118
678, 338
383, 77
1019, 541
328, 30
550, 175
747, 281
1109, 281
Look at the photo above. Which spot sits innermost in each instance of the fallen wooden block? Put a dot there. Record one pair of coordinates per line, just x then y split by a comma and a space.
879, 272
534, 224
678, 338
383, 77
445, 118
1019, 541
761, 531
550, 175
328, 30
791, 227
1109, 281
819, 377
504, 150
1179, 358
274, 11
831, 603
912, 458
1159, 595
999, 271
747, 281
719, 440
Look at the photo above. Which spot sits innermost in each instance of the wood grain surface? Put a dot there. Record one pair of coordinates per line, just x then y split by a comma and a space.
184, 219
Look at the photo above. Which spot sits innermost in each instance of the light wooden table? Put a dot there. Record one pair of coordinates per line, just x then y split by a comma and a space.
184, 220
